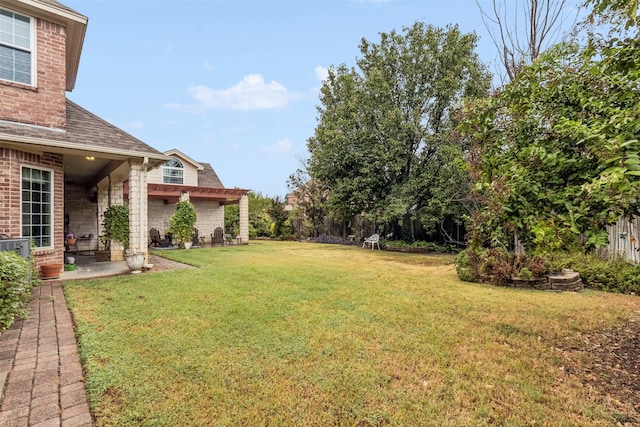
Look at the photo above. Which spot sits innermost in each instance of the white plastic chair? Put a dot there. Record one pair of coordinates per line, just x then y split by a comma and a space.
372, 240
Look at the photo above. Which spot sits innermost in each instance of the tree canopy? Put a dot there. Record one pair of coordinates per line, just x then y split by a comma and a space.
555, 154
384, 145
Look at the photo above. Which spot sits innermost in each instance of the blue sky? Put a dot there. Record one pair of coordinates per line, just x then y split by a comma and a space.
235, 83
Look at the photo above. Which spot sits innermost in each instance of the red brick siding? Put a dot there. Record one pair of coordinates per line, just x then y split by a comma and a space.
45, 104
10, 163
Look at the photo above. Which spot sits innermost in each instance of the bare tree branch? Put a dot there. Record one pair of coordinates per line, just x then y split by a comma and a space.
522, 29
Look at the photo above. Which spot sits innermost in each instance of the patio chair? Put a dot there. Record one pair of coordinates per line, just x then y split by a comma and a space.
156, 240
217, 237
195, 241
373, 240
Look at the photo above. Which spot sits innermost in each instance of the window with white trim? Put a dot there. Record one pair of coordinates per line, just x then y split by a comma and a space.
16, 47
173, 172
36, 205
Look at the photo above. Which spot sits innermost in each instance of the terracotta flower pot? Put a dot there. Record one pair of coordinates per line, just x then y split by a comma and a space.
72, 241
51, 271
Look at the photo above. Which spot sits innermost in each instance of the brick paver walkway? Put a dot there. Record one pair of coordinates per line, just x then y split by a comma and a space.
40, 366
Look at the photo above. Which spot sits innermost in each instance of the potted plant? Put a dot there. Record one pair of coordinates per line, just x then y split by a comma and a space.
116, 225
72, 238
116, 228
182, 222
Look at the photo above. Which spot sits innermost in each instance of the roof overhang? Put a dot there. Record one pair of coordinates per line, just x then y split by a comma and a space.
171, 193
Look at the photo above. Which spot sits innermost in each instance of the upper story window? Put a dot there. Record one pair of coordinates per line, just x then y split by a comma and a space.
173, 172
36, 205
16, 47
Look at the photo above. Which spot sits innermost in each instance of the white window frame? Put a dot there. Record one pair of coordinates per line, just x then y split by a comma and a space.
52, 232
172, 178
31, 50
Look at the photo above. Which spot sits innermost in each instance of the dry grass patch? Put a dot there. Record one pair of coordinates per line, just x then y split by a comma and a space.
296, 334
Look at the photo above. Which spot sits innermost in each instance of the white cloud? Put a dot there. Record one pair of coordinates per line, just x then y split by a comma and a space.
283, 146
251, 93
208, 67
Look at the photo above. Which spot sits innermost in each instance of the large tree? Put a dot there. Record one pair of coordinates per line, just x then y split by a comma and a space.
383, 145
556, 153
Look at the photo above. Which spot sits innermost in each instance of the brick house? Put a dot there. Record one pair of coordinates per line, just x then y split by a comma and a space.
60, 165
182, 174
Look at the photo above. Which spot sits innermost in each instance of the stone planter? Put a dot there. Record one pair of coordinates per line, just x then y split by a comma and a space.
51, 271
187, 245
135, 262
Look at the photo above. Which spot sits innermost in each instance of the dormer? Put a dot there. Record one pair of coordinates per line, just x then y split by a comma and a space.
40, 46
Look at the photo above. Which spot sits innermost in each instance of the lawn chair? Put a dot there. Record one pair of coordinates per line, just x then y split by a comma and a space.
217, 237
228, 240
373, 240
195, 241
156, 240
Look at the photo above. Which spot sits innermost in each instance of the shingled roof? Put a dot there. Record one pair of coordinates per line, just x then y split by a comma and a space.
84, 131
208, 177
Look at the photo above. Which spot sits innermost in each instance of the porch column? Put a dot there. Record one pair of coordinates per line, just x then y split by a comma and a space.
138, 232
244, 218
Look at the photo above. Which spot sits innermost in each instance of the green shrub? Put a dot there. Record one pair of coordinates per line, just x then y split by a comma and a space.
182, 222
468, 265
16, 281
597, 273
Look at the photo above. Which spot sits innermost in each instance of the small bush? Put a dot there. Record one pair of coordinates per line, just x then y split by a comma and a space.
468, 265
16, 281
498, 265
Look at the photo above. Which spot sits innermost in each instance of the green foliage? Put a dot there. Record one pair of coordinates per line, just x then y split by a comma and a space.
183, 221
597, 273
259, 220
17, 278
463, 267
116, 224
418, 244
383, 144
280, 227
554, 154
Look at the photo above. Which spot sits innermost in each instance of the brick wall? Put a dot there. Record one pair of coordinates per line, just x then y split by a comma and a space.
44, 104
81, 211
11, 162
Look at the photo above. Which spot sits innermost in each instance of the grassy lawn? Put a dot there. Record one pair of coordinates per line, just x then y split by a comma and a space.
297, 334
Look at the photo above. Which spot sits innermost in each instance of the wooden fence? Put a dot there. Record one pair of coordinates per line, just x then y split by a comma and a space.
624, 237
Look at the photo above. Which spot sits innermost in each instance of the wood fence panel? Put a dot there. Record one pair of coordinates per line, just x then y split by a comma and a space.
624, 237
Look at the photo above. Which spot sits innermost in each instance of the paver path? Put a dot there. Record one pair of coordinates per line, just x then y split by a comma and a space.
40, 367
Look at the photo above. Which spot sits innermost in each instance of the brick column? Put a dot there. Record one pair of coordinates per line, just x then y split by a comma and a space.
244, 218
138, 233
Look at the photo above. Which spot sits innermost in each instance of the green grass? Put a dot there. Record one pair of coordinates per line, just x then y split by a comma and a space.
297, 334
